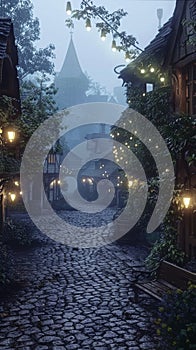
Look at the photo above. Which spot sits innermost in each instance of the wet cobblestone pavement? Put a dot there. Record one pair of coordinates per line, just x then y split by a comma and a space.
76, 299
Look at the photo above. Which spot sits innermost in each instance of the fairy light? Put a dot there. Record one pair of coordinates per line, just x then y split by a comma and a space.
114, 48
103, 34
68, 8
88, 25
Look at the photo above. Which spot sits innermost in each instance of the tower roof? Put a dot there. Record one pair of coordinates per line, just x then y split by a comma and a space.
71, 67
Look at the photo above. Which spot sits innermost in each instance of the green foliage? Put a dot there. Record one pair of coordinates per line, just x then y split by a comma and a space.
190, 25
178, 132
176, 321
106, 21
37, 104
17, 233
8, 162
155, 105
166, 246
27, 32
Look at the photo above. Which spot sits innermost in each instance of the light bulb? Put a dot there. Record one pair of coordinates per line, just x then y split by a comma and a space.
186, 201
127, 57
103, 35
88, 25
68, 8
114, 46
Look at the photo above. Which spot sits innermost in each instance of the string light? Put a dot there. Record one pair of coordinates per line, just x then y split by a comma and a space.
103, 35
68, 8
88, 25
127, 57
114, 48
162, 79
142, 71
152, 69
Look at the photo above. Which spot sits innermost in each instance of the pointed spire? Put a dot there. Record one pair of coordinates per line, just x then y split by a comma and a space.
71, 67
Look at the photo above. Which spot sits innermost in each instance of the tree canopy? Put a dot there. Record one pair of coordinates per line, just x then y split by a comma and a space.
27, 34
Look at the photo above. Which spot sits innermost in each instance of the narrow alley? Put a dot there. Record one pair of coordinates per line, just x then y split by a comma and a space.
68, 298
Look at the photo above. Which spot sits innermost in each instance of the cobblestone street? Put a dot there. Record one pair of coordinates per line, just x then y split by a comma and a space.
75, 299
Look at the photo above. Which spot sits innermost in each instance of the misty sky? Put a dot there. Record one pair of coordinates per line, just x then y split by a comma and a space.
95, 56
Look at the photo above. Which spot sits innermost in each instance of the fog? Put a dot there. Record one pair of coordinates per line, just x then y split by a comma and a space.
95, 56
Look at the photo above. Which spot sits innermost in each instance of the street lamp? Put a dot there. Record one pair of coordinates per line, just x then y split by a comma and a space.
11, 135
186, 199
6, 135
12, 196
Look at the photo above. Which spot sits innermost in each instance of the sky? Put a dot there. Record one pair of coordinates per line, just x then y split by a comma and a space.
96, 57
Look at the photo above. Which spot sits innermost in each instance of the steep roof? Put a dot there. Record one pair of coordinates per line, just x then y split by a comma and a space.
71, 67
5, 28
161, 49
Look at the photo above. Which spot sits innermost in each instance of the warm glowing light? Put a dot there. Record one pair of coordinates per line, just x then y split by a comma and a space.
152, 69
186, 201
68, 8
130, 183
12, 196
88, 25
127, 57
11, 135
16, 183
162, 79
114, 48
142, 71
103, 35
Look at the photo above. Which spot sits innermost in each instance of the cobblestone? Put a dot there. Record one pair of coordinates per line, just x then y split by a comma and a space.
75, 299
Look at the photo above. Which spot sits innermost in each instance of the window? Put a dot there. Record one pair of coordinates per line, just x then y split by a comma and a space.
51, 158
190, 76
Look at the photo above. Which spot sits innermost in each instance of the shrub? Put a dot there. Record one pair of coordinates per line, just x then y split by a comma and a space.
17, 233
176, 320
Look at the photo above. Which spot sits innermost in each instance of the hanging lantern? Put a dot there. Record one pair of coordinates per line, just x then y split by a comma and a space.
12, 196
186, 199
127, 57
11, 135
114, 48
68, 8
88, 25
103, 35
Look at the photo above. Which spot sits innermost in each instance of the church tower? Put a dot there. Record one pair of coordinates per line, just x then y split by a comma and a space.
71, 82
